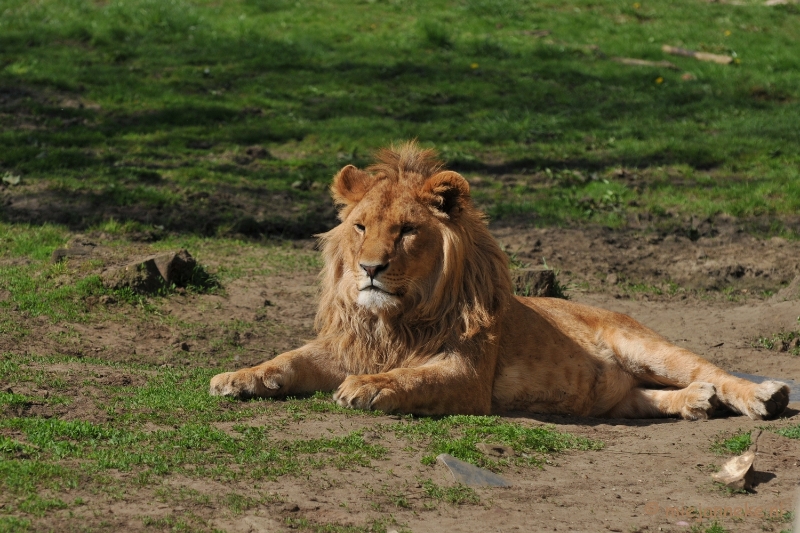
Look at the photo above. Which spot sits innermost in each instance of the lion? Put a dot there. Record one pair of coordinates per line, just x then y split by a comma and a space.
417, 315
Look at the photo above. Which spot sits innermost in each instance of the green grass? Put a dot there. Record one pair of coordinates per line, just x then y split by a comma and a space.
192, 449
734, 445
149, 109
714, 527
785, 341
792, 432
12, 524
304, 524
457, 435
458, 494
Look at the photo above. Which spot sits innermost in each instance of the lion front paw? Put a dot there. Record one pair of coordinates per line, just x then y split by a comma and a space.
246, 384
769, 400
701, 401
369, 391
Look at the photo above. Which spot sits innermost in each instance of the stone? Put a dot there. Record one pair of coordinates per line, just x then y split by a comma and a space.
11, 179
60, 254
471, 475
153, 273
495, 450
737, 473
535, 281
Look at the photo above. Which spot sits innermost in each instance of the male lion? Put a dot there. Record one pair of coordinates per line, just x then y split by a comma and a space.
417, 315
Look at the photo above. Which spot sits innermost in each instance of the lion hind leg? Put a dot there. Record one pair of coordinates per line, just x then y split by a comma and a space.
655, 361
697, 401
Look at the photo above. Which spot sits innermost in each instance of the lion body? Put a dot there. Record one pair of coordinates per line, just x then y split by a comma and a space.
417, 315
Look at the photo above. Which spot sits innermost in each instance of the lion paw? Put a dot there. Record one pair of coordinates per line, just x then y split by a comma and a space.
769, 400
245, 384
701, 401
367, 392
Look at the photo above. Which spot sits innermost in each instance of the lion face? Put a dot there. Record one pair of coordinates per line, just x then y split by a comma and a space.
392, 235
393, 247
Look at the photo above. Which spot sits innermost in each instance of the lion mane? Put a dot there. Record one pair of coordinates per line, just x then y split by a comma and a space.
468, 291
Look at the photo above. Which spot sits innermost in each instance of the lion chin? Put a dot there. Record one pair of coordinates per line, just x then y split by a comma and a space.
377, 300
417, 315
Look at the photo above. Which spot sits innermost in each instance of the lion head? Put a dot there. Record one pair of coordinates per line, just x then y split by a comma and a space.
412, 266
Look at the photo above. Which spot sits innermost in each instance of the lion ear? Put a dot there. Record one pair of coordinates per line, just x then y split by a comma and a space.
349, 186
447, 191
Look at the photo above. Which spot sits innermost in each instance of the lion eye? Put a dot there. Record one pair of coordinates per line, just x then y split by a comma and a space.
360, 228
407, 230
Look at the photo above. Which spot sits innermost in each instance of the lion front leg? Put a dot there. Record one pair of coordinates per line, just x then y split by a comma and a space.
695, 402
307, 369
434, 389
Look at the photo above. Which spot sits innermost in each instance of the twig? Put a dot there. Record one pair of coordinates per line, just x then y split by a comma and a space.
644, 63
701, 56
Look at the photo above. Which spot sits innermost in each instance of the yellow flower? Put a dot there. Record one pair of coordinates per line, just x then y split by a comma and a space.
636, 5
473, 66
659, 80
727, 33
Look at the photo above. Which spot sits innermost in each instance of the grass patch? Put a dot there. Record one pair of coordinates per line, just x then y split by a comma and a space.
792, 432
714, 527
456, 495
734, 445
12, 524
785, 341
376, 526
458, 435
163, 451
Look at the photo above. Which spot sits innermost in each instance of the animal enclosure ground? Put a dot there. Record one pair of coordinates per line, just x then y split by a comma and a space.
106, 422
130, 127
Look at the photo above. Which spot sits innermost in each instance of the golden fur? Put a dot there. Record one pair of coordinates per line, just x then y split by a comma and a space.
417, 315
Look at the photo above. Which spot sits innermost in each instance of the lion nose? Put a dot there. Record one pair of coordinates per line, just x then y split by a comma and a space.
372, 270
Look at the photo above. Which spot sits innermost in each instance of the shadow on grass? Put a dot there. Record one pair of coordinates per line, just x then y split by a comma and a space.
550, 102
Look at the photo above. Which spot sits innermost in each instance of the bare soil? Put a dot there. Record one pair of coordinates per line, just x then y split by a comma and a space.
714, 295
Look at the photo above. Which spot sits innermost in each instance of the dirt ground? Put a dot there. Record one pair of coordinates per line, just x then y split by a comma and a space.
714, 295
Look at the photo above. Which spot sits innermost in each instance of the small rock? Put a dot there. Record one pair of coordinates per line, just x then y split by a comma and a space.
471, 475
612, 279
737, 474
152, 273
60, 254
